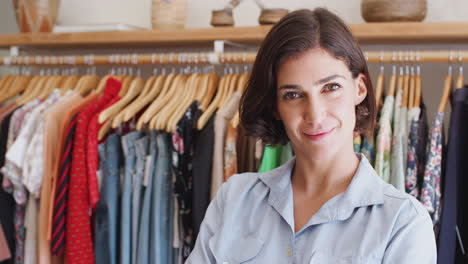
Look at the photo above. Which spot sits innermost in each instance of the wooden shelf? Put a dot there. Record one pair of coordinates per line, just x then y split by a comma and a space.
370, 33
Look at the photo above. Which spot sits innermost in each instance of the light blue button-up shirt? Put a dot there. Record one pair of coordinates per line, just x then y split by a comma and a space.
251, 220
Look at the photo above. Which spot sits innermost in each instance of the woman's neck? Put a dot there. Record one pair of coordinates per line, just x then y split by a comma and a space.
323, 176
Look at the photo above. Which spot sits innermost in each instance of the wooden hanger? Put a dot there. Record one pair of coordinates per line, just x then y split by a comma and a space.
232, 84
3, 83
170, 84
194, 93
213, 82
135, 88
412, 87
460, 81
86, 84
19, 85
155, 91
37, 89
418, 89
406, 84
102, 84
29, 89
49, 86
448, 83
213, 105
135, 104
158, 121
379, 89
133, 91
69, 83
241, 87
392, 86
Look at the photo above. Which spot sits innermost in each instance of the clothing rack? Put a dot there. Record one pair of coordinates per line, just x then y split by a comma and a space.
452, 56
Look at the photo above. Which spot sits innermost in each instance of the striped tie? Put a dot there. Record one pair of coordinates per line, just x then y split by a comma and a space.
61, 194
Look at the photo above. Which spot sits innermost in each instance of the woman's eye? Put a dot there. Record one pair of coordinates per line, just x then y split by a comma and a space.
332, 87
291, 95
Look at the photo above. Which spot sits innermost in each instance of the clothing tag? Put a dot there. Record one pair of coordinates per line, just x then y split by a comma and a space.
99, 177
149, 160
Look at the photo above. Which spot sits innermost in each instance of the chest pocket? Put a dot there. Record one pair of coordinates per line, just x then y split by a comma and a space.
322, 258
243, 251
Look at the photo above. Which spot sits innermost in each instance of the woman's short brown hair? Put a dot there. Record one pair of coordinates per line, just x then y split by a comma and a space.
294, 34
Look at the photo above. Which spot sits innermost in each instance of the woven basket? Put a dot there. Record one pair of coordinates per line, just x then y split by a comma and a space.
169, 14
36, 15
393, 10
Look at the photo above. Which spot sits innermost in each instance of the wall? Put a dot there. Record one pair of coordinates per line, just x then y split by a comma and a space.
138, 12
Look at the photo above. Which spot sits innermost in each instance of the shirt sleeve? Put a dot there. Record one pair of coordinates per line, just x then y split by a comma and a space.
412, 241
211, 224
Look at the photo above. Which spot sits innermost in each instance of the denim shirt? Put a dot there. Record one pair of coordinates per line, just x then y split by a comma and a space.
251, 220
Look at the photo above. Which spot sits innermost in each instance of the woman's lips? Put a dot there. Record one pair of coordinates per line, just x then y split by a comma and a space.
315, 136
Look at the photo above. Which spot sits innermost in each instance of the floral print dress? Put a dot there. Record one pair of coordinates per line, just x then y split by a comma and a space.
412, 162
384, 140
431, 191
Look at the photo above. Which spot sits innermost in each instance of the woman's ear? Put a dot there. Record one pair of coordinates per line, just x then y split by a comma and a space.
361, 91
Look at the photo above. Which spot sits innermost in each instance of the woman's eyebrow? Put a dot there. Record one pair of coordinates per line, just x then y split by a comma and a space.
329, 78
290, 86
319, 82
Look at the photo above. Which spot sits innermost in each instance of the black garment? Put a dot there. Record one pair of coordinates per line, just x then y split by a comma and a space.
454, 197
7, 203
182, 148
202, 165
421, 150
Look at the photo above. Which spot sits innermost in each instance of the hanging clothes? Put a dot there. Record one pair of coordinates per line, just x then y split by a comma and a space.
222, 119
230, 154
368, 148
249, 152
79, 243
453, 221
202, 168
412, 186
384, 140
273, 157
430, 190
399, 145
62, 172
182, 156
357, 142
4, 250
421, 149
7, 202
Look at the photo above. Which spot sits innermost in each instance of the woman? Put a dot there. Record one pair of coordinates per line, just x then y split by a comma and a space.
310, 85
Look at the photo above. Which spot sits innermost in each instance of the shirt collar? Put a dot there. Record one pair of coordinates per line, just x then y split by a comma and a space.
366, 188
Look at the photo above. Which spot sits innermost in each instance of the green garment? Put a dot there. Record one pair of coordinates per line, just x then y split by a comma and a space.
275, 156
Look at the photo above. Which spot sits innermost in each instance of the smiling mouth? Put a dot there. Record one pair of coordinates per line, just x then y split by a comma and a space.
318, 136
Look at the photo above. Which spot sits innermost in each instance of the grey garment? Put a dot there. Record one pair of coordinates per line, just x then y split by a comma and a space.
223, 116
161, 235
141, 152
144, 234
107, 209
128, 144
252, 219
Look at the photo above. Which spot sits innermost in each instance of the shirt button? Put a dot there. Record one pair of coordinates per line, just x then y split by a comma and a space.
290, 252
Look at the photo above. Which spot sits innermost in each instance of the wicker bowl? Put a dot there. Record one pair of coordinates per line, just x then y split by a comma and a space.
168, 14
222, 18
36, 15
393, 10
271, 16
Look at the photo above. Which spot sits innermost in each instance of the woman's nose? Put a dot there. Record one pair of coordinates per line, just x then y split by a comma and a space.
314, 111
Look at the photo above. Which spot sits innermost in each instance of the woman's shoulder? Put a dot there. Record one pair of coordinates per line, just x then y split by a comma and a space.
404, 205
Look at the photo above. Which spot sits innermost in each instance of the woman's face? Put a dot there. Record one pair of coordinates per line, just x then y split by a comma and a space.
316, 99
